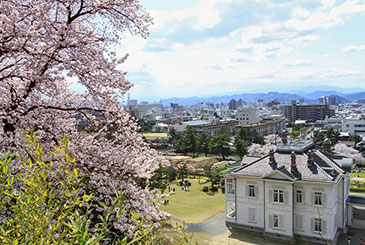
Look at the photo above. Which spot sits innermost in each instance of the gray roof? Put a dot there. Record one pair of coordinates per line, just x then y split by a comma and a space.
196, 123
249, 159
356, 199
262, 168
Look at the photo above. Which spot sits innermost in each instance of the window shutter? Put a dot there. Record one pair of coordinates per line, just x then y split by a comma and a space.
256, 191
303, 197
286, 197
270, 221
312, 225
324, 199
312, 198
281, 221
247, 191
324, 228
270, 195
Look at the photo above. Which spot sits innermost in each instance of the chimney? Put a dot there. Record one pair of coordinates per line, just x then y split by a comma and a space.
272, 159
293, 166
310, 159
327, 145
284, 137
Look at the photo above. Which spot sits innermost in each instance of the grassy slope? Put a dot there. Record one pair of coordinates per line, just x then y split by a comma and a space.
194, 206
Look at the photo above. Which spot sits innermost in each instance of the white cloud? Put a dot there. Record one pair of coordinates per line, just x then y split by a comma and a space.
301, 62
226, 45
353, 48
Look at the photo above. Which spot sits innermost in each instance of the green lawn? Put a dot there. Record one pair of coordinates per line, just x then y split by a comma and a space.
361, 175
194, 206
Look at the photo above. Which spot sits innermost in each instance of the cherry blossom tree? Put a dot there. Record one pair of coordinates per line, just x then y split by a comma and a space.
349, 152
47, 45
272, 139
260, 150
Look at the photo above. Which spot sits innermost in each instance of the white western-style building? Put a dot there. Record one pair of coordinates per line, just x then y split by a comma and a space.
294, 193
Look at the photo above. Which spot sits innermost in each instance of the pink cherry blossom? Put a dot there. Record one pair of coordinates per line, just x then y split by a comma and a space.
47, 45
191, 169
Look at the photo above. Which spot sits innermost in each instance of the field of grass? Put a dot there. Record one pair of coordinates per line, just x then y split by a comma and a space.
360, 187
194, 206
360, 175
154, 135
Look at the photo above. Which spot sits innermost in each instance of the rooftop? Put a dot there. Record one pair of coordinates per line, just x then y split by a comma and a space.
296, 145
322, 170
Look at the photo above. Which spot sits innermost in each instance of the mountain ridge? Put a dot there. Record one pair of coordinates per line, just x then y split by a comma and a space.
279, 96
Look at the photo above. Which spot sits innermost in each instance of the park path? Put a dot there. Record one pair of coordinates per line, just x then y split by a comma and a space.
213, 226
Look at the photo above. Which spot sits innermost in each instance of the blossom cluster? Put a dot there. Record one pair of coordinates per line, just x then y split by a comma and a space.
47, 45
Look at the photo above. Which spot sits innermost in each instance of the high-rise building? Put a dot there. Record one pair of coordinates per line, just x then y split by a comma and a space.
323, 100
240, 103
332, 100
308, 112
232, 105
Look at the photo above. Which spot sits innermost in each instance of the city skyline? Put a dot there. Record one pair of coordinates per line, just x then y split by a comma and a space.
215, 47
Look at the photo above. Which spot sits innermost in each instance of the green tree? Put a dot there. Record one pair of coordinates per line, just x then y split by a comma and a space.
213, 176
333, 135
217, 116
187, 141
182, 144
203, 143
191, 139
240, 147
320, 135
356, 138
251, 136
145, 126
173, 134
220, 145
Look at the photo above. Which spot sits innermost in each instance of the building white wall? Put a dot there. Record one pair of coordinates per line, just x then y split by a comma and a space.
247, 115
327, 212
353, 126
284, 210
244, 202
330, 212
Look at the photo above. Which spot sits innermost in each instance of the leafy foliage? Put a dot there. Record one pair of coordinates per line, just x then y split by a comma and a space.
203, 143
187, 141
319, 136
45, 45
42, 201
220, 145
240, 147
251, 136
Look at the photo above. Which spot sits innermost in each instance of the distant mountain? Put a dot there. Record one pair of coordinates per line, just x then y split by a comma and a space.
355, 96
312, 89
247, 97
311, 97
318, 94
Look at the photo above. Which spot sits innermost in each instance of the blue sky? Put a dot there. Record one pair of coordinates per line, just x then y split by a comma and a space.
214, 47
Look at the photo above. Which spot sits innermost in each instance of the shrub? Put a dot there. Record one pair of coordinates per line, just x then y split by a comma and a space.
223, 189
205, 188
42, 201
214, 188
